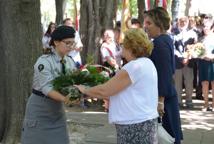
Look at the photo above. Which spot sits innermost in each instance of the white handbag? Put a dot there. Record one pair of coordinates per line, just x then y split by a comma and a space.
163, 136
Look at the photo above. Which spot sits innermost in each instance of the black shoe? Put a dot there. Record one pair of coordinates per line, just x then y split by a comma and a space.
209, 108
199, 97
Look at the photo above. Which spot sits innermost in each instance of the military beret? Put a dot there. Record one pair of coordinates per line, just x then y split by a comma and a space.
63, 32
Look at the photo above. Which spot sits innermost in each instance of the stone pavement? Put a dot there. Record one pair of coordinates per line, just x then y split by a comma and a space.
91, 127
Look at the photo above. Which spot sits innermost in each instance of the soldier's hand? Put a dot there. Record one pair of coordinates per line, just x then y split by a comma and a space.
69, 102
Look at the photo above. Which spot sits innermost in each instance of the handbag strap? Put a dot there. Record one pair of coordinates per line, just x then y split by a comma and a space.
110, 52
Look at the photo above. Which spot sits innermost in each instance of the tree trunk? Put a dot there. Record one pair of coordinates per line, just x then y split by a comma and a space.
115, 7
187, 7
169, 7
60, 7
175, 9
20, 39
75, 11
2, 81
95, 15
141, 9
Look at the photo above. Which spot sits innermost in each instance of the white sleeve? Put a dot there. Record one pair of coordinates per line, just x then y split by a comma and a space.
78, 40
44, 77
196, 37
104, 52
45, 42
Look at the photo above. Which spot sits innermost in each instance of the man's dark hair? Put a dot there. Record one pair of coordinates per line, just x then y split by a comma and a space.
135, 21
64, 21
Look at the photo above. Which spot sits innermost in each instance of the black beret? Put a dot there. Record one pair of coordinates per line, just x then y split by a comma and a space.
63, 32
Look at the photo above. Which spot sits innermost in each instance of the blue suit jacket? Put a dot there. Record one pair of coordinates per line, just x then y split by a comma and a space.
163, 59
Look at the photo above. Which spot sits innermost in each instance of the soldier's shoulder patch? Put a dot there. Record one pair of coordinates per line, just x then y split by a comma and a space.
40, 67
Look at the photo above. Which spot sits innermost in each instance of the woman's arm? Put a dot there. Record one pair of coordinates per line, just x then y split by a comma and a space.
116, 84
209, 57
56, 96
112, 62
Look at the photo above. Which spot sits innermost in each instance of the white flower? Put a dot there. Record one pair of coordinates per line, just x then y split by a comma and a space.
104, 73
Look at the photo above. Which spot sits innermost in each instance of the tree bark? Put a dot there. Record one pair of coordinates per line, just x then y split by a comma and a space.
60, 7
169, 7
175, 9
20, 38
188, 5
141, 9
95, 15
115, 7
2, 83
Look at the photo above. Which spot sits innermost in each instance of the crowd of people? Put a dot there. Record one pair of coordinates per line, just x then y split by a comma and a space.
151, 71
192, 71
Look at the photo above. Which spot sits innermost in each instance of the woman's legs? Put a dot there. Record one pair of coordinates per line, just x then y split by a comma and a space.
212, 84
205, 91
178, 84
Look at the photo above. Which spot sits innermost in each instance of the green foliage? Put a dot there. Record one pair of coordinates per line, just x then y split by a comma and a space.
132, 6
89, 77
90, 59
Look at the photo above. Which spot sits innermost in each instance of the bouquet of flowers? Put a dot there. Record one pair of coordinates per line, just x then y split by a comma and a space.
89, 75
196, 50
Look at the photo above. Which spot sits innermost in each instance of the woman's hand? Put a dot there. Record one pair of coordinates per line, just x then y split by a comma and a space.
68, 102
161, 108
185, 61
81, 88
209, 57
106, 104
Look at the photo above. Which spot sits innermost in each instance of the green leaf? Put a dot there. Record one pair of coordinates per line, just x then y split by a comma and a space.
89, 77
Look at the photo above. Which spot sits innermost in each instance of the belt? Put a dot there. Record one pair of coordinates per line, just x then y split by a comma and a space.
39, 93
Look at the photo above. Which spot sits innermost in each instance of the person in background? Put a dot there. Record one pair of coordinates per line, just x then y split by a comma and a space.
109, 50
195, 25
118, 25
206, 17
206, 64
47, 37
117, 33
133, 92
199, 24
184, 64
135, 23
75, 54
110, 55
156, 24
45, 121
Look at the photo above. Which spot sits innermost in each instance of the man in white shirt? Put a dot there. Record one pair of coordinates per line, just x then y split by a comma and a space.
75, 54
184, 65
